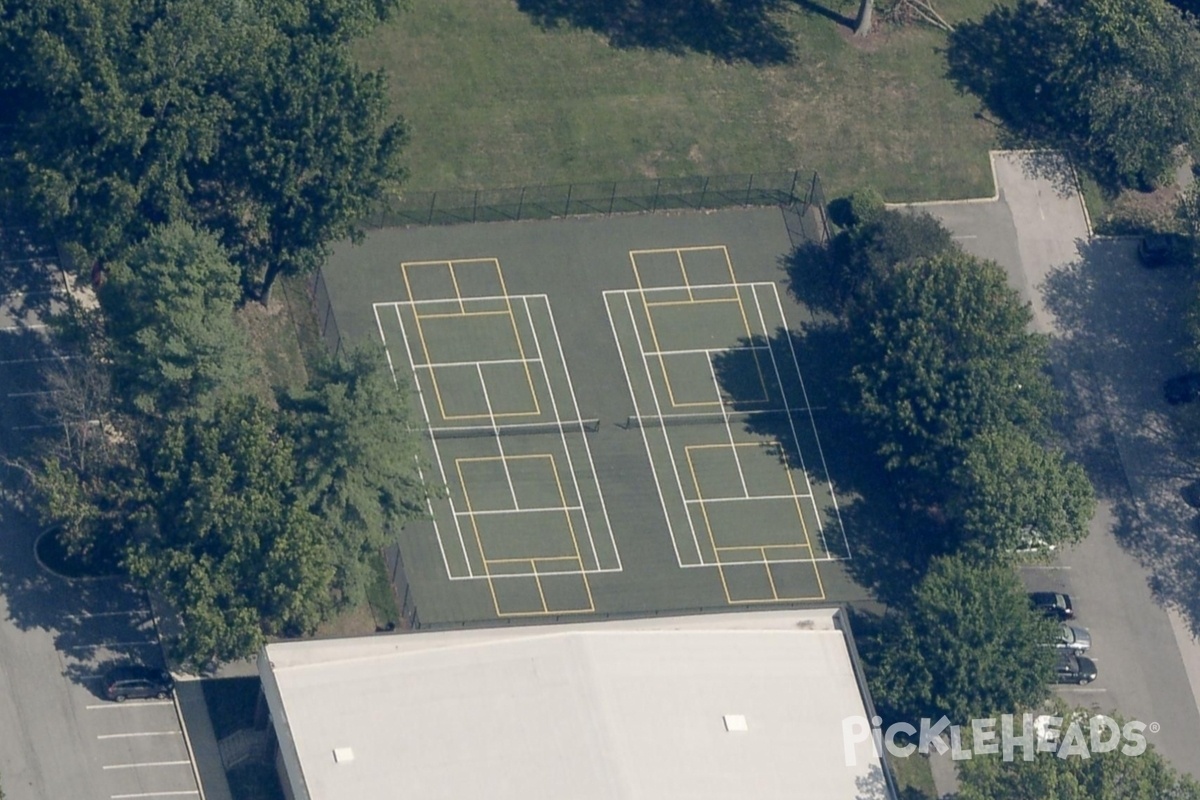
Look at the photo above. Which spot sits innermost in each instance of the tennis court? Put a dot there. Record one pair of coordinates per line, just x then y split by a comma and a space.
614, 412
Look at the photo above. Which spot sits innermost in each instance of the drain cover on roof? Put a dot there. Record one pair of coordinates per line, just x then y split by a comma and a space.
343, 754
735, 723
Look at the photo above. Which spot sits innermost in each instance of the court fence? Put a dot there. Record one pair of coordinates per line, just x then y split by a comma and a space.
796, 190
326, 320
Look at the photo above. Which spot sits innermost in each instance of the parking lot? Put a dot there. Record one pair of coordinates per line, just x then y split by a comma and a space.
58, 637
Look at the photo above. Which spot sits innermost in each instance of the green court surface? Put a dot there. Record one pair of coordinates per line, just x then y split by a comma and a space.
612, 410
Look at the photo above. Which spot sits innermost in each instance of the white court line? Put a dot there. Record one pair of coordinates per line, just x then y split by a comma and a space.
653, 289
537, 346
180, 793
666, 437
143, 704
97, 645
495, 297
138, 735
518, 511
436, 455
129, 613
36, 326
147, 764
701, 501
812, 421
737, 460
499, 443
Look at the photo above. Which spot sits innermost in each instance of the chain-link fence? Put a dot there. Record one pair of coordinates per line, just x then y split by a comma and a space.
606, 197
326, 321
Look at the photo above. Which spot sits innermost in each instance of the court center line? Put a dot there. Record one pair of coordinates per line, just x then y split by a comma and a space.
499, 444
712, 371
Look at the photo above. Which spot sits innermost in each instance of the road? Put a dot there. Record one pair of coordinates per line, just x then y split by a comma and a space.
1117, 331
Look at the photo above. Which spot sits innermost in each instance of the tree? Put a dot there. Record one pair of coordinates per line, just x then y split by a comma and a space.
1010, 490
878, 240
966, 645
862, 25
226, 537
358, 460
1108, 81
169, 303
942, 352
1102, 773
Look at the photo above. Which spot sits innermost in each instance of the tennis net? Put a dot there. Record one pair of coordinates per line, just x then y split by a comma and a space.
708, 418
517, 429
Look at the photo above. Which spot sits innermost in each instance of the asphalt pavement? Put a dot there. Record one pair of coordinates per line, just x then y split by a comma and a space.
1118, 333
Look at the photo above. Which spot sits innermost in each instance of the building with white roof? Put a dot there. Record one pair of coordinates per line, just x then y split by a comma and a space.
734, 705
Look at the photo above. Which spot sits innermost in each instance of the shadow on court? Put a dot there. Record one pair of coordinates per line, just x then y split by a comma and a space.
729, 31
889, 549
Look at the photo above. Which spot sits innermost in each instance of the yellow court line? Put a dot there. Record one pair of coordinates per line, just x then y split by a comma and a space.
437, 392
538, 580
517, 334
708, 526
762, 380
690, 249
683, 269
770, 577
457, 292
804, 527
479, 541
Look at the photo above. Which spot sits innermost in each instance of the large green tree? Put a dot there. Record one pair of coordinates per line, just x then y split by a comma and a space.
169, 302
1010, 491
1109, 81
249, 118
358, 459
1111, 774
226, 536
942, 352
966, 645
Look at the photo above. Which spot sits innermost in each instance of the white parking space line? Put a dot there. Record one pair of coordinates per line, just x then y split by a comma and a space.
149, 764
139, 643
187, 792
138, 612
133, 735
146, 704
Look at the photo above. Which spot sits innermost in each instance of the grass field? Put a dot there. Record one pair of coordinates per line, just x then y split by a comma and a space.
494, 100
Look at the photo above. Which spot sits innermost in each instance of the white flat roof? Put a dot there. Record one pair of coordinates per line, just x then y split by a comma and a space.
648, 708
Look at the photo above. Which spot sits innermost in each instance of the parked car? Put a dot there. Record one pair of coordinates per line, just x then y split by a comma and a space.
1053, 604
1080, 670
1183, 388
1161, 249
1073, 639
135, 680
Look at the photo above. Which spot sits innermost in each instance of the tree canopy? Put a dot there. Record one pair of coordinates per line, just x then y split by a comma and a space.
942, 352
1111, 82
966, 645
247, 118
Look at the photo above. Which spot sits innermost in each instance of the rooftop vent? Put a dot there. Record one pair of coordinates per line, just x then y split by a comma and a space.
343, 755
735, 723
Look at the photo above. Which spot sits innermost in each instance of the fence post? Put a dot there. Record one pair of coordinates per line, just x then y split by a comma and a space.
703, 192
612, 201
567, 210
475, 207
749, 187
792, 191
432, 204
521, 203
657, 187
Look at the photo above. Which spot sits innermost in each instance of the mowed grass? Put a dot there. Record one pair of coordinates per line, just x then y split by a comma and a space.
494, 100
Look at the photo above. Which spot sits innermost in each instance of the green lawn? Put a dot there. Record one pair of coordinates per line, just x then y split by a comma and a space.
493, 100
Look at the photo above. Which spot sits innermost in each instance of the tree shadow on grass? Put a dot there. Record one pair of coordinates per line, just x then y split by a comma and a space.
728, 30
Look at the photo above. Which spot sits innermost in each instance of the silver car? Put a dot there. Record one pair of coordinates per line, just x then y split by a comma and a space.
1073, 639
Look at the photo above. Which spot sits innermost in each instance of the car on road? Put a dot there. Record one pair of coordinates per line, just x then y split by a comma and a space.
1073, 639
137, 681
1183, 388
1053, 604
1075, 669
